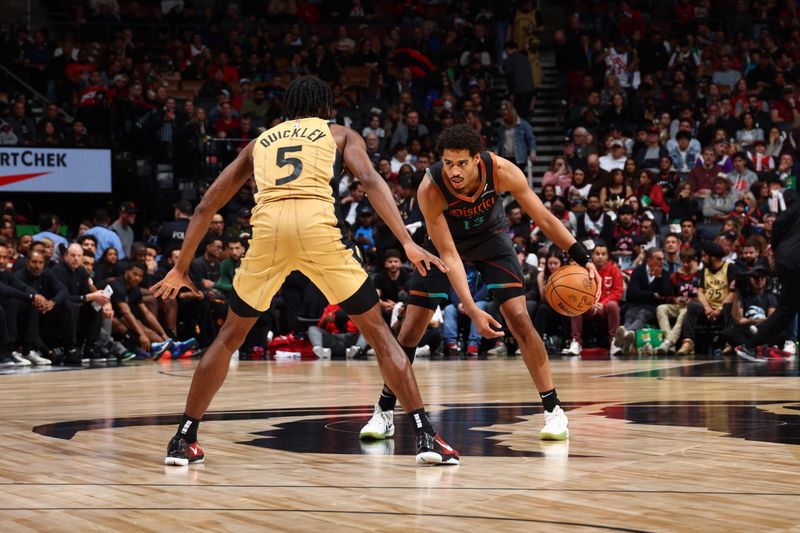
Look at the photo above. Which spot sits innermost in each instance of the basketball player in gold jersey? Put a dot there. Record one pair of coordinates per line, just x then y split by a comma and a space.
297, 226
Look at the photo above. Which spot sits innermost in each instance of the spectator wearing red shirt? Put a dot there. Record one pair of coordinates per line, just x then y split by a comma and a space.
648, 187
226, 122
702, 178
230, 74
336, 335
607, 308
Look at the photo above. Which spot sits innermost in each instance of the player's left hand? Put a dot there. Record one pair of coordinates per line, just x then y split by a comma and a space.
422, 259
593, 272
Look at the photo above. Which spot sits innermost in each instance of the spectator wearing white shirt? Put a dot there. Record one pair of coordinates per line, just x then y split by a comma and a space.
615, 158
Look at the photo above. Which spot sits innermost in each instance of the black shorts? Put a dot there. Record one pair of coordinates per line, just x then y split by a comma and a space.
494, 258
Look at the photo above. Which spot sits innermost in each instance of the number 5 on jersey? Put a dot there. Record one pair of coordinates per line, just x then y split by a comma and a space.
282, 161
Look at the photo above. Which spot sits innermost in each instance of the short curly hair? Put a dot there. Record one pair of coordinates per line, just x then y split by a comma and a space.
459, 137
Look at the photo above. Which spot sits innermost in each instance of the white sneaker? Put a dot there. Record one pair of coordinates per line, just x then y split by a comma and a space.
753, 329
663, 348
322, 353
790, 347
351, 352
614, 350
270, 336
423, 351
380, 426
21, 361
574, 348
518, 352
36, 358
498, 351
555, 425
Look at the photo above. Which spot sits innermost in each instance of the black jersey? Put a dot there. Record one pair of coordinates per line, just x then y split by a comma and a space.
472, 220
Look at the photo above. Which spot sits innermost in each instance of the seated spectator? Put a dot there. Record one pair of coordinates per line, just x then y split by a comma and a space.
651, 194
411, 130
726, 76
81, 295
711, 296
595, 223
578, 191
741, 178
558, 174
392, 281
552, 326
672, 248
702, 178
596, 176
749, 133
228, 266
718, 205
20, 317
132, 320
648, 288
626, 234
400, 157
752, 304
336, 336
606, 308
614, 193
648, 156
683, 154
455, 310
364, 232
108, 268
683, 290
761, 161
616, 157
209, 311
58, 325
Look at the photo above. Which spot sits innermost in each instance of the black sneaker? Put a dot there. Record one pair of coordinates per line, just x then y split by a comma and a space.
432, 450
181, 453
750, 354
7, 362
73, 357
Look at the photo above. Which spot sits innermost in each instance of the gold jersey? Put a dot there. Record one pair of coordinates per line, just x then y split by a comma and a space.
296, 159
716, 285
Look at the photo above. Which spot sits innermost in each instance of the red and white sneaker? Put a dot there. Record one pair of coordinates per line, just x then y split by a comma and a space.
182, 453
432, 450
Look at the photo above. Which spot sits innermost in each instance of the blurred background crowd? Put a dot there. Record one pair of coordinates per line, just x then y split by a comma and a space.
664, 133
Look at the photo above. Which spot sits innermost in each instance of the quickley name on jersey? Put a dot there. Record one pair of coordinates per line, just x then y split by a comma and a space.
297, 159
476, 217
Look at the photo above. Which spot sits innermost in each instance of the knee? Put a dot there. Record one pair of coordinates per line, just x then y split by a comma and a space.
520, 321
613, 306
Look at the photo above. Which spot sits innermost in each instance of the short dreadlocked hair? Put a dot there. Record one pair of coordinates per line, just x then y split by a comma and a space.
459, 137
308, 96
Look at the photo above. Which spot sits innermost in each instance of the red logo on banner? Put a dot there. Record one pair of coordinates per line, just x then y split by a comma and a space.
7, 180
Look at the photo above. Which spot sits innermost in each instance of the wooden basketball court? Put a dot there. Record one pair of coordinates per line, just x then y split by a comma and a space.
656, 445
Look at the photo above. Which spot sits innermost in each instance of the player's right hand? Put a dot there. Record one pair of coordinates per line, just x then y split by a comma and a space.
422, 259
487, 326
169, 287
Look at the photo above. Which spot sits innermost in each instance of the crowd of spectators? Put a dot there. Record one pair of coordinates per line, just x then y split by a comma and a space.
680, 126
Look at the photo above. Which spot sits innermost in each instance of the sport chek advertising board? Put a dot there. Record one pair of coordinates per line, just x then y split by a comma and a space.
81, 170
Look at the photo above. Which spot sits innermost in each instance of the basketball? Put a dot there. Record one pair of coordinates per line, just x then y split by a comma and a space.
570, 290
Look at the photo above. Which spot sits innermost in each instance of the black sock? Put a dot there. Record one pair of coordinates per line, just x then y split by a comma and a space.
188, 428
549, 400
421, 422
388, 400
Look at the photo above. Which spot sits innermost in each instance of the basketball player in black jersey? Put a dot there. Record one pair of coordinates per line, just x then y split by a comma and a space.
465, 218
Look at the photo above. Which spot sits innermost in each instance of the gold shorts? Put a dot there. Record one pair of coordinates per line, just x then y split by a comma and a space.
302, 235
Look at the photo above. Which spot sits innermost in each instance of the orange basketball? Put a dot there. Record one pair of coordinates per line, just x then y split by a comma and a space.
570, 290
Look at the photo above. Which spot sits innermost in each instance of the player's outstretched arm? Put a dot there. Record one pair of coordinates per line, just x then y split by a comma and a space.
356, 159
230, 180
431, 203
511, 179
